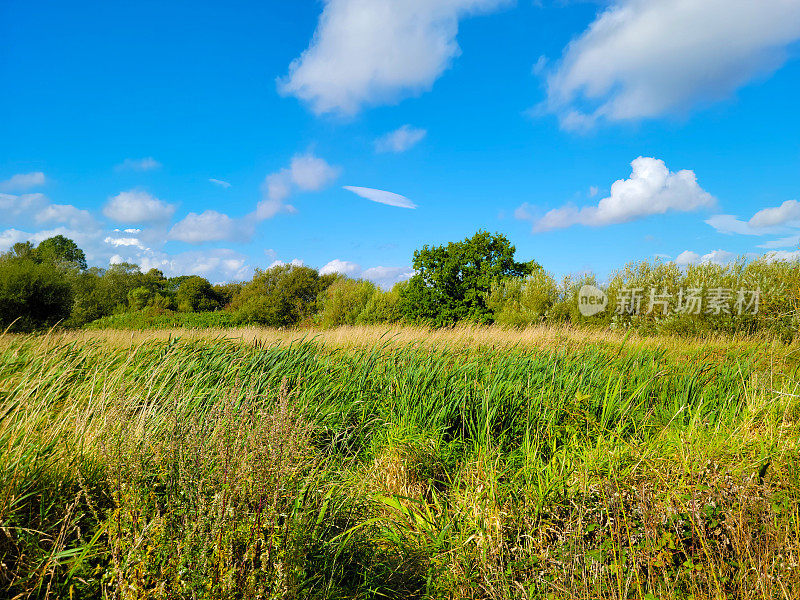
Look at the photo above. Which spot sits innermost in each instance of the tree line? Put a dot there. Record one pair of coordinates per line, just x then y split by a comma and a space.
476, 280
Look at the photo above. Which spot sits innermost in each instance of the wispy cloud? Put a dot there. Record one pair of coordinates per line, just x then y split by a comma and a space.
139, 164
306, 172
220, 183
381, 196
400, 140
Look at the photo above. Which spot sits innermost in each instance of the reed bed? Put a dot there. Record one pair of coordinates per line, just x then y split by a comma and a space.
374, 463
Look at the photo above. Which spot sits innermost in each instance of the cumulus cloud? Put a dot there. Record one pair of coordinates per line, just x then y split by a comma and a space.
342, 267
12, 205
129, 242
787, 213
400, 140
67, 214
369, 52
22, 182
137, 206
385, 277
717, 257
648, 58
306, 172
37, 209
381, 196
769, 220
141, 246
87, 240
208, 226
218, 265
295, 262
139, 164
651, 189
220, 183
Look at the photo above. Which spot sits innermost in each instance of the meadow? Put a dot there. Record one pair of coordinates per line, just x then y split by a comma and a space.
399, 462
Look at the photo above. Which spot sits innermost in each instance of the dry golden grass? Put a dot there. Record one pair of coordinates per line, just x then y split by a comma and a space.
540, 337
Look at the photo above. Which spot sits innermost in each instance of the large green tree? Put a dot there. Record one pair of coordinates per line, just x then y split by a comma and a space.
452, 282
61, 251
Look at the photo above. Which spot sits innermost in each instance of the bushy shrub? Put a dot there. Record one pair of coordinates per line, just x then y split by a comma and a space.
519, 302
383, 306
281, 296
195, 294
32, 294
343, 302
152, 318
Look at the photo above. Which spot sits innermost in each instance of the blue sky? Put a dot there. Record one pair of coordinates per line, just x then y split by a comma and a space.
213, 138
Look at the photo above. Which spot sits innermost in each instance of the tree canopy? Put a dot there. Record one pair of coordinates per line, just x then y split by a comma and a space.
61, 250
452, 282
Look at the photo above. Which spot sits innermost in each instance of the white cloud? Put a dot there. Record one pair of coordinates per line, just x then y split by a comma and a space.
208, 226
717, 257
385, 277
731, 224
342, 267
217, 265
782, 255
647, 58
652, 189
67, 214
400, 139
310, 173
381, 196
139, 164
25, 204
37, 209
220, 183
136, 206
787, 213
130, 242
784, 242
9, 237
766, 221
22, 181
295, 262
368, 52
306, 172
88, 240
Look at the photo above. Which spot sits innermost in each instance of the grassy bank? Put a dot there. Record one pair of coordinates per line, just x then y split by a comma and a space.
363, 464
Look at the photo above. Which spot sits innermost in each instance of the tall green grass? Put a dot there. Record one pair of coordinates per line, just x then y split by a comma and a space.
215, 469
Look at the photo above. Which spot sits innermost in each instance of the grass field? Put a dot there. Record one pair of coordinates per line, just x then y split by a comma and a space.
398, 463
